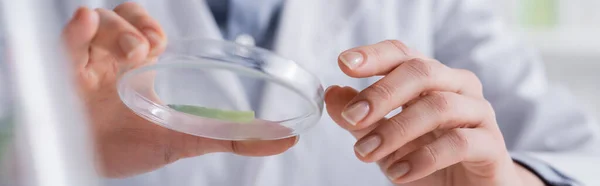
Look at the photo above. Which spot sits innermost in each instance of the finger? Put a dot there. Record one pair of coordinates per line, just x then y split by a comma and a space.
407, 82
245, 148
263, 148
336, 98
139, 18
120, 38
456, 146
436, 111
376, 59
385, 163
78, 34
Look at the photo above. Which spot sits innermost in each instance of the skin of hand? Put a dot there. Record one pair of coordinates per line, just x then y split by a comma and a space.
446, 133
100, 44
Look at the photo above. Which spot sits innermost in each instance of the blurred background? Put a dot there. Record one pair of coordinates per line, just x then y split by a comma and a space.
565, 32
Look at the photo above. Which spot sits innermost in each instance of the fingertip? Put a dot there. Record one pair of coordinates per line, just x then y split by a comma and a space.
376, 59
398, 171
79, 32
85, 14
78, 13
362, 158
352, 59
336, 95
336, 100
328, 91
83, 25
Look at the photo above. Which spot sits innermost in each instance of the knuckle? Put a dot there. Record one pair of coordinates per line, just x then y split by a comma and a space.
112, 23
235, 147
389, 160
458, 141
143, 20
489, 109
135, 14
398, 45
139, 18
431, 153
419, 68
438, 102
385, 162
398, 125
380, 90
102, 10
169, 155
198, 146
473, 80
375, 51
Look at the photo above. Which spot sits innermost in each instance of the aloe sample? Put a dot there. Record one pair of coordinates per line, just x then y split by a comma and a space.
227, 115
539, 13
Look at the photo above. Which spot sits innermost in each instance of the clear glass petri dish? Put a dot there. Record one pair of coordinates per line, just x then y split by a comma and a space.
224, 90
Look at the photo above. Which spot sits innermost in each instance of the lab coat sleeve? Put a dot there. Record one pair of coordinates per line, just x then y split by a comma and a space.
537, 119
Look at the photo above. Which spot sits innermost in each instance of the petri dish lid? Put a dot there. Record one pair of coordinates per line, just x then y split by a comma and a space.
223, 90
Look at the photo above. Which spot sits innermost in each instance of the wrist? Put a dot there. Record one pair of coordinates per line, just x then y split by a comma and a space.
512, 174
516, 174
527, 177
502, 172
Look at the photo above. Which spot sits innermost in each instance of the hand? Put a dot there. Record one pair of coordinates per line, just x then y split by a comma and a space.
446, 133
103, 42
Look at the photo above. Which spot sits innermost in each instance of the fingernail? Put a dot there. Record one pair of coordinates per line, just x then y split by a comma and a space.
368, 145
398, 170
352, 59
154, 39
356, 112
129, 44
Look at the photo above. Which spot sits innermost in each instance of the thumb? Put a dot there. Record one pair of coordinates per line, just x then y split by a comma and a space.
78, 34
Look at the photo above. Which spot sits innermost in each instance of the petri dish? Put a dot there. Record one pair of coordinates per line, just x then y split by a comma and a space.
223, 90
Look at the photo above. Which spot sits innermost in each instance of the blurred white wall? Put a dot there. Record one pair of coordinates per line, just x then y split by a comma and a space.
567, 35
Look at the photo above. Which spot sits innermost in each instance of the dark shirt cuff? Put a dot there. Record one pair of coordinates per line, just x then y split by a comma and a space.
545, 172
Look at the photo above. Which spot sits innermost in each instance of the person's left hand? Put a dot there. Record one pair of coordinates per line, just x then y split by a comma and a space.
446, 133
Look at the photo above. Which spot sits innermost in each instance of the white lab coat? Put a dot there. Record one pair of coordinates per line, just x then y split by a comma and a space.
534, 117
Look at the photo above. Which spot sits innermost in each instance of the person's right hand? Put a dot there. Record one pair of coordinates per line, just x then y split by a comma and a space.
101, 43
